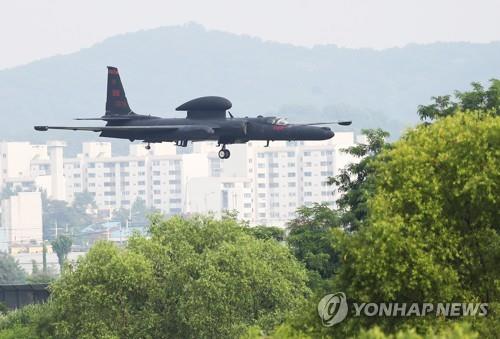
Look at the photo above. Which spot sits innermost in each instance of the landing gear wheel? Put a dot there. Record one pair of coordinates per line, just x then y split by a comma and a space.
148, 147
227, 154
222, 154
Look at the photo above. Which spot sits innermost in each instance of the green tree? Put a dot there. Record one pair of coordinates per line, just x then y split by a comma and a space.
140, 212
479, 100
83, 209
356, 182
10, 271
7, 192
122, 215
433, 232
40, 277
74, 217
62, 246
84, 202
267, 232
29, 322
310, 239
109, 294
192, 278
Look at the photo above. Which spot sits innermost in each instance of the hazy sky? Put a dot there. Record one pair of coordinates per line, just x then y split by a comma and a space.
32, 29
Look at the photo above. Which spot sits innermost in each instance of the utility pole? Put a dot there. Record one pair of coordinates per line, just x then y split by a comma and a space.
44, 257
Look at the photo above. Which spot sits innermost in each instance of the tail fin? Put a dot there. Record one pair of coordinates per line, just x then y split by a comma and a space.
116, 101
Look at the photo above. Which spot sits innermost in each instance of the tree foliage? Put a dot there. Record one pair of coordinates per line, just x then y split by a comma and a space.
480, 100
192, 278
62, 246
356, 181
60, 214
10, 271
433, 232
310, 239
266, 232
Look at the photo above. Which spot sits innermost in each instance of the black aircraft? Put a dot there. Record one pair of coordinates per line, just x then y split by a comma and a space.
207, 119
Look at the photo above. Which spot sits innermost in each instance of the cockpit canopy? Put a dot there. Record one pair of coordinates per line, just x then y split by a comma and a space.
275, 120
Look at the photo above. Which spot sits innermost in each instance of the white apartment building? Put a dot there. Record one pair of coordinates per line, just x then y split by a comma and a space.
21, 220
264, 184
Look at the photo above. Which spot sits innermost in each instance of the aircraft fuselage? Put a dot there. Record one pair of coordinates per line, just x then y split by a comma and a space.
226, 131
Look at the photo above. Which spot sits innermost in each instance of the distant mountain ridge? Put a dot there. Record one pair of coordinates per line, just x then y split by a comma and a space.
164, 67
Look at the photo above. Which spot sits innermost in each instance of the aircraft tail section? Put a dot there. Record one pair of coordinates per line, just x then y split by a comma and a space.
116, 101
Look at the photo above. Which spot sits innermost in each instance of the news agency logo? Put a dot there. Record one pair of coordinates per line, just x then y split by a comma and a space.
333, 309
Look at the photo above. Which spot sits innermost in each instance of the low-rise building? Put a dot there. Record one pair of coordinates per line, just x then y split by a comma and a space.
21, 227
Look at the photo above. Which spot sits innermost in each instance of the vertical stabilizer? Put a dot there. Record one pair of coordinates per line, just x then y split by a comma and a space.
116, 101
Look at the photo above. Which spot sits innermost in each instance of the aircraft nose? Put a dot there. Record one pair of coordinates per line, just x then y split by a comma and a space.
328, 133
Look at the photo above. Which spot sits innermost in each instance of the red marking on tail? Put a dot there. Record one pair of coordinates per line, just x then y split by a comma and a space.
115, 92
113, 71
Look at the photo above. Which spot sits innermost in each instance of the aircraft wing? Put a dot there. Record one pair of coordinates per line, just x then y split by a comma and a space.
166, 128
342, 123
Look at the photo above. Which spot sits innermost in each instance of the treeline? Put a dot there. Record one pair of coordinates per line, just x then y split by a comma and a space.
418, 222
